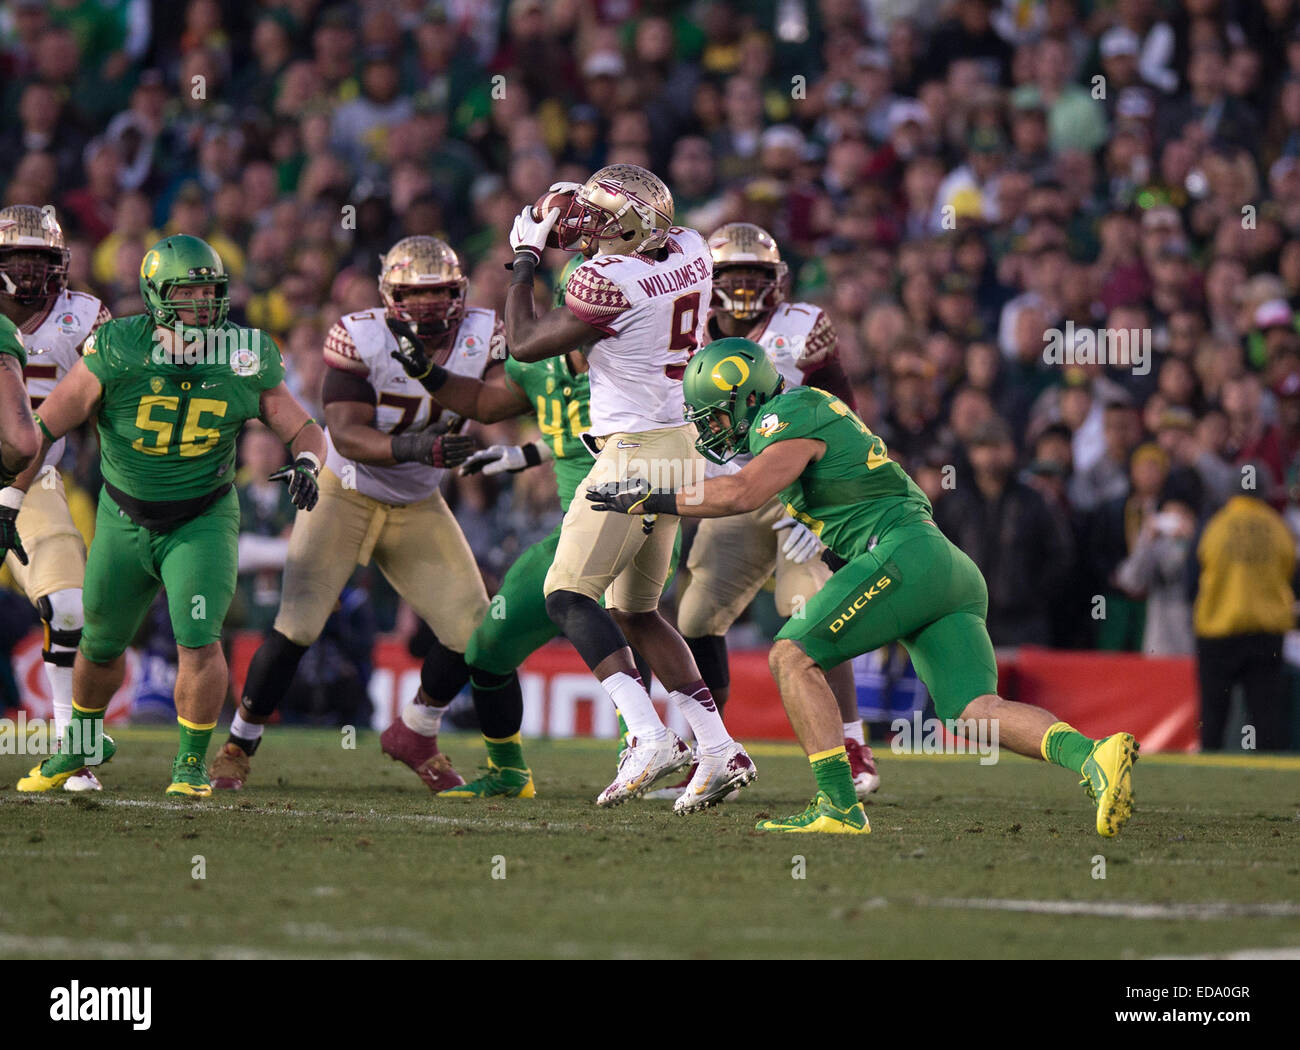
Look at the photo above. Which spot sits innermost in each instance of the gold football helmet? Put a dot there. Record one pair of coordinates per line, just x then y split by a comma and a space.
33, 255
620, 210
417, 263
742, 253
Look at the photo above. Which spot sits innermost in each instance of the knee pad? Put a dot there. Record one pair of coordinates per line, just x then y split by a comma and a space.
590, 629
64, 618
443, 673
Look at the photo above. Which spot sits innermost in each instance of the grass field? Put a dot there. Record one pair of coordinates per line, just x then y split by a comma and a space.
343, 853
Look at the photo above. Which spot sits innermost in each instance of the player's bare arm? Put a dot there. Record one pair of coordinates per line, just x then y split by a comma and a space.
289, 421
533, 338
19, 439
487, 400
768, 473
73, 401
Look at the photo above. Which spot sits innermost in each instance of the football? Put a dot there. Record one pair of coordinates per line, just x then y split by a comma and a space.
553, 199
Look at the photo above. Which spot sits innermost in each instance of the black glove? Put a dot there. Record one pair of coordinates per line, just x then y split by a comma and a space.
9, 539
411, 356
434, 447
301, 477
631, 497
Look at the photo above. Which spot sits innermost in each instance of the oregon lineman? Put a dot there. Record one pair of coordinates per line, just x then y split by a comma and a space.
390, 443
55, 323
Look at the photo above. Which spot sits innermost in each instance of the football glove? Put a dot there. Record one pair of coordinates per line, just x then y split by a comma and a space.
301, 478
633, 496
801, 543
529, 235
434, 447
501, 459
9, 538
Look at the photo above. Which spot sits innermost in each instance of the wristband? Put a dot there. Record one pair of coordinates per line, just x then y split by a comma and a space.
532, 456
11, 497
660, 503
435, 378
310, 457
525, 265
309, 422
44, 429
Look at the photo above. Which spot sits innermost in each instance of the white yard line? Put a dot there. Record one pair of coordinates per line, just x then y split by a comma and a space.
1202, 910
11, 943
1242, 953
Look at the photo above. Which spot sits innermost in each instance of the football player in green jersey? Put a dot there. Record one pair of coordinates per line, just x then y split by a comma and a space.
557, 393
19, 440
902, 581
170, 390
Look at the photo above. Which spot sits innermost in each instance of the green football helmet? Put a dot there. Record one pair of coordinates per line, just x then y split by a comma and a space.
182, 261
563, 283
731, 378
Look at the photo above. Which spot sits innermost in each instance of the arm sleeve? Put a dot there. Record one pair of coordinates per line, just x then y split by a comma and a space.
596, 300
342, 353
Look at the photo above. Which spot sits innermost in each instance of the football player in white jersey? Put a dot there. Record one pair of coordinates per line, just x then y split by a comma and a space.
636, 307
55, 323
389, 443
732, 558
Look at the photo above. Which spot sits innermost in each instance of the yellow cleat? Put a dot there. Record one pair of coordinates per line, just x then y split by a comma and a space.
822, 815
190, 776
58, 769
38, 781
1108, 779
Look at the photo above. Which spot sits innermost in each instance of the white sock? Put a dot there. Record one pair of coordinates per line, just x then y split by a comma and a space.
61, 690
422, 719
636, 707
245, 730
854, 731
701, 713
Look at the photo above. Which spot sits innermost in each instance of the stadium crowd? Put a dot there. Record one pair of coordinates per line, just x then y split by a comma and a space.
949, 181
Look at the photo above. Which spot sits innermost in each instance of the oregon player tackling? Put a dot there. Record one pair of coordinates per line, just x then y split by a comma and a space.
170, 390
732, 558
56, 323
903, 580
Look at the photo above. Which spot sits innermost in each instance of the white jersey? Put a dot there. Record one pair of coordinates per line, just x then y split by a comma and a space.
653, 315
797, 339
54, 346
361, 344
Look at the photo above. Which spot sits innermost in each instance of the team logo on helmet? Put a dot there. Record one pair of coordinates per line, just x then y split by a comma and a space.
149, 264
719, 374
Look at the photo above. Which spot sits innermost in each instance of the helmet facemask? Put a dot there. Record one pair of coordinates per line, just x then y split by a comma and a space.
206, 312
430, 316
746, 292
33, 276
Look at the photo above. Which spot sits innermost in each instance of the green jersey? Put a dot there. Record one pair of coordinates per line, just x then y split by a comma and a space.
12, 343
167, 430
855, 493
561, 401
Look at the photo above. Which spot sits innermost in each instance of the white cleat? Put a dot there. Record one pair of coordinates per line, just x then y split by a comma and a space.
643, 765
83, 781
716, 778
862, 764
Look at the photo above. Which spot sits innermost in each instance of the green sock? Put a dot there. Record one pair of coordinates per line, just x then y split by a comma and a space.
194, 737
1063, 745
622, 734
83, 739
506, 753
831, 768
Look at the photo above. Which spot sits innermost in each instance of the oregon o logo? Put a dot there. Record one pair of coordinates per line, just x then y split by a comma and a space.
742, 366
149, 264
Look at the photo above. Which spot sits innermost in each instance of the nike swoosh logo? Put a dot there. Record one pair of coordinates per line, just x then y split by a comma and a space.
624, 444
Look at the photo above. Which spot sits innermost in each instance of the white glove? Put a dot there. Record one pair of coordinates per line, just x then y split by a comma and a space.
502, 459
529, 235
801, 544
565, 187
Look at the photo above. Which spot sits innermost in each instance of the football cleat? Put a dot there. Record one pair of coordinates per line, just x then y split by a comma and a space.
231, 767
58, 769
1108, 780
822, 815
862, 764
403, 744
496, 782
189, 776
716, 777
673, 791
643, 765
84, 780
